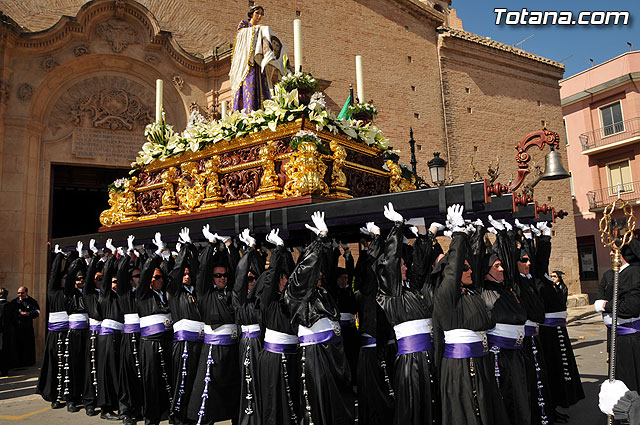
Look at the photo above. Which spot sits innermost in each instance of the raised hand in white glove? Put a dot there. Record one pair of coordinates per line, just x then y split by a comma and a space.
391, 214
79, 246
543, 226
436, 227
535, 230
415, 231
121, 251
318, 221
92, 246
599, 305
496, 224
56, 249
448, 233
207, 233
224, 239
454, 218
492, 230
178, 247
372, 228
183, 236
110, 246
521, 226
247, 239
157, 241
275, 238
610, 393
469, 229
130, 247
478, 223
506, 224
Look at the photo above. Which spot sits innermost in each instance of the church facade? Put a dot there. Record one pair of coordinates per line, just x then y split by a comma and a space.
77, 89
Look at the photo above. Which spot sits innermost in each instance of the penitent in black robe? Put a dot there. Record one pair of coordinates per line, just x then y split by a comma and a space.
564, 378
25, 337
326, 391
468, 387
414, 374
376, 396
90, 297
77, 335
277, 372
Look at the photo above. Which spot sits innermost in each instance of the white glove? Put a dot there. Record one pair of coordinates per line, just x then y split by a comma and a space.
535, 231
247, 239
79, 246
56, 249
92, 246
178, 248
157, 241
414, 230
496, 224
492, 230
506, 224
478, 223
448, 233
391, 214
165, 254
183, 236
599, 305
110, 246
469, 229
454, 218
544, 228
372, 228
610, 393
275, 238
318, 221
207, 233
436, 227
130, 247
521, 226
223, 239
121, 251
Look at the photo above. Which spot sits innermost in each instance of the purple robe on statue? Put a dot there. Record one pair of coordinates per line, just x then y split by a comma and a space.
254, 88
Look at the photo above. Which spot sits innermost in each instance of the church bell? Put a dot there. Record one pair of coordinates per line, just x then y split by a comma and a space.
553, 167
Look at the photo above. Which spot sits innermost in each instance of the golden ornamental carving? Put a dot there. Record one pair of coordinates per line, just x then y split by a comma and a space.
190, 187
338, 178
305, 171
213, 191
113, 215
168, 197
269, 182
397, 182
129, 207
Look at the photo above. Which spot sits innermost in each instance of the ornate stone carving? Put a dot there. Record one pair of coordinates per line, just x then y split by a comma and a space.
305, 171
338, 179
81, 50
111, 109
48, 63
25, 92
397, 183
190, 187
151, 59
118, 34
178, 81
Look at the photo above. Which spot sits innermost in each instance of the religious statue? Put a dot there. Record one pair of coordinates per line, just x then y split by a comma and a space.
257, 63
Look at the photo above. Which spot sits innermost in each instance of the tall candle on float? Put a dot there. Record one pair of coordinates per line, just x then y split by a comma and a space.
223, 109
297, 44
359, 79
158, 100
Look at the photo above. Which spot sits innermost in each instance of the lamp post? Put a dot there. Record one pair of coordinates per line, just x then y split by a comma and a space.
437, 167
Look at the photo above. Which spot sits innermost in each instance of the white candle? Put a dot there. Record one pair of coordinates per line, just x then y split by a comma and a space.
158, 100
297, 44
223, 108
359, 79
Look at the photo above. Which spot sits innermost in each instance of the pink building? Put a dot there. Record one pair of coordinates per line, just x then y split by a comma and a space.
601, 109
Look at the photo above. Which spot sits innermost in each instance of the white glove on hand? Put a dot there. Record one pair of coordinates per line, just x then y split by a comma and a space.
506, 224
448, 233
478, 223
207, 233
436, 227
391, 214
79, 246
165, 254
110, 246
535, 230
157, 241
496, 224
178, 248
544, 228
275, 238
610, 393
223, 239
247, 239
130, 247
492, 230
372, 228
599, 305
454, 218
121, 251
469, 229
56, 249
521, 226
318, 221
415, 231
92, 246
183, 236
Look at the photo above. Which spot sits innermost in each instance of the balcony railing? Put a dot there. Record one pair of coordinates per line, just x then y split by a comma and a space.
609, 134
602, 197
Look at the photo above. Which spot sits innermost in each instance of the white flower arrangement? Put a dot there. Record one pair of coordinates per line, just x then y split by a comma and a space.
298, 79
368, 107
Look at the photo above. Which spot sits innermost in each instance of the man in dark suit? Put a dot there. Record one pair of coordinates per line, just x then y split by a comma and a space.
26, 309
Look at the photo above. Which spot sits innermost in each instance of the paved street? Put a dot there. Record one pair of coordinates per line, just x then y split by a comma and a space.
18, 404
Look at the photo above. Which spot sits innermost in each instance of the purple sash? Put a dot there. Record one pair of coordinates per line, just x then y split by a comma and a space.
154, 329
624, 330
415, 343
108, 331
530, 330
367, 340
320, 337
251, 334
183, 335
78, 325
94, 328
554, 322
58, 326
504, 342
222, 339
273, 347
465, 351
131, 328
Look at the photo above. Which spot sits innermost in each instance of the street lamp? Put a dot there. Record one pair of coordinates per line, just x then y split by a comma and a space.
437, 167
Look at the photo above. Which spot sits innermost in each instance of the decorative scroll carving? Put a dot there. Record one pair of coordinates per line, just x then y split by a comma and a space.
338, 178
118, 34
240, 156
397, 183
190, 187
81, 50
269, 183
363, 159
178, 81
25, 92
150, 202
169, 177
151, 59
111, 109
362, 183
305, 172
48, 63
283, 147
147, 179
241, 184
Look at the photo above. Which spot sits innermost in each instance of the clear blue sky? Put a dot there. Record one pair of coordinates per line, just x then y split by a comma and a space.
573, 45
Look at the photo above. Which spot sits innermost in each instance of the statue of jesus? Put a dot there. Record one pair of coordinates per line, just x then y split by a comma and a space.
257, 64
